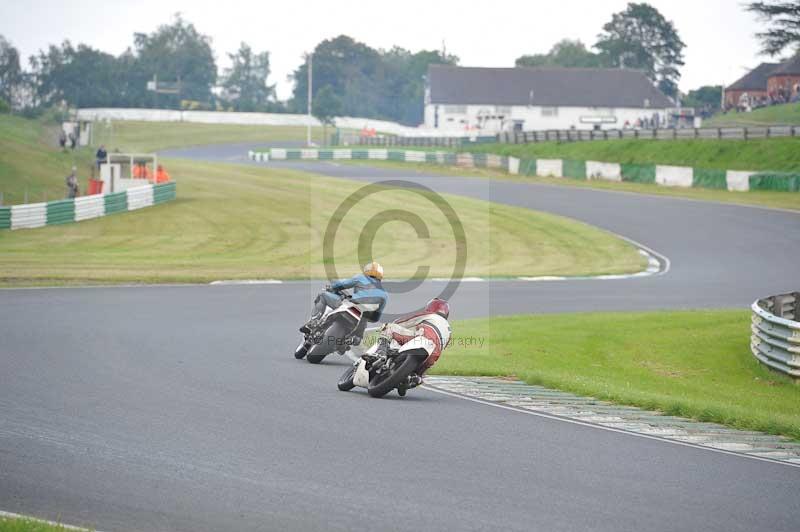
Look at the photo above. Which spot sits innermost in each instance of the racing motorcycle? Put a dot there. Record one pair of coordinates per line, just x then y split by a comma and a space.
333, 331
381, 371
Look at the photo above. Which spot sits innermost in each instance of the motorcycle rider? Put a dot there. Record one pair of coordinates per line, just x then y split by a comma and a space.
367, 289
431, 323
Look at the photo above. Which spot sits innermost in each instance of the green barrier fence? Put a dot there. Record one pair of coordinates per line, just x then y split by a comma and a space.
325, 155
116, 202
360, 154
292, 154
479, 160
60, 212
779, 181
396, 155
707, 178
163, 192
574, 169
527, 167
5, 217
638, 173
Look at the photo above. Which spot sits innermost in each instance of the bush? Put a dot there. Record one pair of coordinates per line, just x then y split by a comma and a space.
4, 107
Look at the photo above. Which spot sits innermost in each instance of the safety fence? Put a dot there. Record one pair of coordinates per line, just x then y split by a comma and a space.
467, 160
578, 135
775, 339
84, 208
664, 175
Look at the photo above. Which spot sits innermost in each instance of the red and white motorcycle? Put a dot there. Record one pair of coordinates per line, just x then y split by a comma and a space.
382, 370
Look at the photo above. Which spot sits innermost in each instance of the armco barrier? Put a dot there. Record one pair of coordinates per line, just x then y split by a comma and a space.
775, 339
665, 175
84, 208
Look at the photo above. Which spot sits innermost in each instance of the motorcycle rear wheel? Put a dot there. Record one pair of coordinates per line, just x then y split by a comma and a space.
392, 381
345, 383
315, 359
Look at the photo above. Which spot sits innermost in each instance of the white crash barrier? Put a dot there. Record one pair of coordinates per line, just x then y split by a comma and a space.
738, 181
342, 154
605, 171
87, 207
674, 176
549, 168
465, 159
494, 161
513, 165
278, 153
140, 197
309, 154
380, 155
415, 156
28, 216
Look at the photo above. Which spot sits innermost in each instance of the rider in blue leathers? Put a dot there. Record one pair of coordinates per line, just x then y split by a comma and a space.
367, 289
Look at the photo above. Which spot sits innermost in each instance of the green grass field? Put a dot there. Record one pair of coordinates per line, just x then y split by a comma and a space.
130, 136
30, 161
779, 154
778, 200
242, 222
788, 114
692, 363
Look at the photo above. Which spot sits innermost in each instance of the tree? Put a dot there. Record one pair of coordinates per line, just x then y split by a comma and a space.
708, 97
565, 53
177, 52
370, 83
326, 106
783, 17
640, 37
82, 76
246, 80
10, 71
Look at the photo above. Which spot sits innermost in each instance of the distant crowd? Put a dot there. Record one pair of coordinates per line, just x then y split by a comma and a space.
783, 95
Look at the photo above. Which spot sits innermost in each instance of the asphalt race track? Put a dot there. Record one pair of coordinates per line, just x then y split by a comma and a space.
181, 407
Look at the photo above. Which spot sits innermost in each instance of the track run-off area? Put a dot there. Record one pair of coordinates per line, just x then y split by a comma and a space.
181, 407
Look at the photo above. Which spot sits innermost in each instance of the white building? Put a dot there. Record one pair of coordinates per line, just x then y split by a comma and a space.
489, 100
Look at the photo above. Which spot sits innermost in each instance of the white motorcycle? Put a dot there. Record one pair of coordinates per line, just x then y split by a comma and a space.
333, 331
396, 367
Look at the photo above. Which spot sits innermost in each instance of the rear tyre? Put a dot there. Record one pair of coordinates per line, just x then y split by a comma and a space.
301, 351
345, 383
381, 384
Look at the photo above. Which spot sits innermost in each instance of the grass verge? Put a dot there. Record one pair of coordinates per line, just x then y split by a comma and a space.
787, 114
29, 524
133, 136
244, 222
695, 364
760, 198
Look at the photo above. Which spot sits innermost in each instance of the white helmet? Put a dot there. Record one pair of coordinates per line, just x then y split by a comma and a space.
373, 269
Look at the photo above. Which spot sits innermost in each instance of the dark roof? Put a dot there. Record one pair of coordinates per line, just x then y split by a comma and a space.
756, 79
788, 68
576, 87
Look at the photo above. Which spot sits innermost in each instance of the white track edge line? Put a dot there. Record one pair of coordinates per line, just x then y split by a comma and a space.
432, 388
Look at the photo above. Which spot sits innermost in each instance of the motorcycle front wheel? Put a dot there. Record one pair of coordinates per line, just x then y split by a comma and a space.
301, 351
345, 383
315, 359
383, 383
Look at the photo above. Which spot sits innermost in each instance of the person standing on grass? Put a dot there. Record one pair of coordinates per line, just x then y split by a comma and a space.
72, 183
101, 155
62, 140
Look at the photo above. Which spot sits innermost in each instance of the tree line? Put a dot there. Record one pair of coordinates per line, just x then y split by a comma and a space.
349, 77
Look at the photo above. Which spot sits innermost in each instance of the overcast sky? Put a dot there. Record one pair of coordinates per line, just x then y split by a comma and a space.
718, 33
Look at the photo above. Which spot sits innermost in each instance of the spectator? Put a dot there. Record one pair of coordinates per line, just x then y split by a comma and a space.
72, 183
72, 140
101, 155
62, 140
161, 175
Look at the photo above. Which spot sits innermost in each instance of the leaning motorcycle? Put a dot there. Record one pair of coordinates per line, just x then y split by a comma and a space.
333, 331
394, 368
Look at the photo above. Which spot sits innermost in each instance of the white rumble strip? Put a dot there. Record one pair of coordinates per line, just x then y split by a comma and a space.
590, 411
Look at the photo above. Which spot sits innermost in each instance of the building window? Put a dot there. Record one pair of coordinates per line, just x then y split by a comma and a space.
549, 111
456, 109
